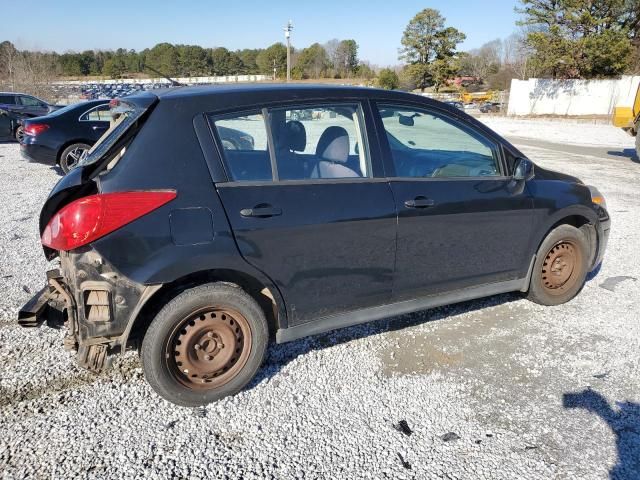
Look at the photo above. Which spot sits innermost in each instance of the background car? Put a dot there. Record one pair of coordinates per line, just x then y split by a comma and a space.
458, 105
490, 107
63, 136
24, 106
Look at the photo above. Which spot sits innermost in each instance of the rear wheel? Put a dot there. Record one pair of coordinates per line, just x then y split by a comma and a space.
71, 156
205, 344
561, 267
19, 133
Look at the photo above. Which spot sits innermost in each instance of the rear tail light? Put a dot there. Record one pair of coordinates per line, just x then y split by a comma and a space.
34, 129
90, 218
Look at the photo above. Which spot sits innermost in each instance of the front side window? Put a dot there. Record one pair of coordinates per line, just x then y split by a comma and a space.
319, 142
426, 144
100, 113
30, 102
243, 138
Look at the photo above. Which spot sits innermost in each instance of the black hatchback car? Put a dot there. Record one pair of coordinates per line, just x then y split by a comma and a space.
199, 250
63, 137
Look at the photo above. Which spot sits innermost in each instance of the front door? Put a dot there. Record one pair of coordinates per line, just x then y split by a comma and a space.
460, 222
305, 209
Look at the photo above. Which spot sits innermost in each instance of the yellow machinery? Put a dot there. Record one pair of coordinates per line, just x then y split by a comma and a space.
476, 97
628, 118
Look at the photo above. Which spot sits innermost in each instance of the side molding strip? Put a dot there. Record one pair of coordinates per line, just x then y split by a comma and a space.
385, 311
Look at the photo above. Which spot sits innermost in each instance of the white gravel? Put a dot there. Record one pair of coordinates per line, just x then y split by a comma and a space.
492, 372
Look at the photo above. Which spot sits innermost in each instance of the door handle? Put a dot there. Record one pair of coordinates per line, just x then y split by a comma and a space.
261, 211
419, 202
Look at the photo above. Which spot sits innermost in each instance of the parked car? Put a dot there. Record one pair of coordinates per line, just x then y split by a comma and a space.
490, 107
62, 137
24, 106
458, 105
201, 253
8, 125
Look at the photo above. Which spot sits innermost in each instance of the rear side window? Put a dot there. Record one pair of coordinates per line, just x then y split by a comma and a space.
243, 138
101, 113
7, 100
319, 142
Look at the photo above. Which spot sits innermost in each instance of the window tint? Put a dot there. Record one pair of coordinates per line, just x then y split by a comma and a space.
30, 102
100, 113
323, 141
7, 100
425, 144
244, 141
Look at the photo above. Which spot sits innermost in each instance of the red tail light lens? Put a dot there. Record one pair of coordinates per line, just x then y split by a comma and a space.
90, 218
34, 129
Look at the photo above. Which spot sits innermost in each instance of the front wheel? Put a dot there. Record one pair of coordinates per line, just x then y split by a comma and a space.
561, 265
205, 344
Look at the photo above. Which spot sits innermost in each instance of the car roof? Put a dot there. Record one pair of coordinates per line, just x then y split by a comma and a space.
270, 89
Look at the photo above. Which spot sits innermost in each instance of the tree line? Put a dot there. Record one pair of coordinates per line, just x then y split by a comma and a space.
557, 39
334, 59
561, 39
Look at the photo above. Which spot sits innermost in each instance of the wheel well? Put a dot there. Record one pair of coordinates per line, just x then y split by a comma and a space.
259, 292
581, 223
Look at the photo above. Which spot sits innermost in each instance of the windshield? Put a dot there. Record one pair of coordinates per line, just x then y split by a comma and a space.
123, 115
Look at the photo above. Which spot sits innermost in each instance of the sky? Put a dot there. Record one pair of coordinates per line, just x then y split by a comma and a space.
377, 25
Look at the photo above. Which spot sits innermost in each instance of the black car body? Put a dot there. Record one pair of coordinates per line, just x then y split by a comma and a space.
197, 249
22, 106
63, 136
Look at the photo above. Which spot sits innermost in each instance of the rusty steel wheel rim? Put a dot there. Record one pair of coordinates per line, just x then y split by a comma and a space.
208, 348
561, 267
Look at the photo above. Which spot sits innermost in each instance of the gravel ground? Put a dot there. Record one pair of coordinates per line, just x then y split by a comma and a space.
491, 389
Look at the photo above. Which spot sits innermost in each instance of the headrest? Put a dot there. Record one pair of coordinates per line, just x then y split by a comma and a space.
294, 136
334, 145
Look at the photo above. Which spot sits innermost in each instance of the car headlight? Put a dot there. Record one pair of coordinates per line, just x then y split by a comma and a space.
597, 197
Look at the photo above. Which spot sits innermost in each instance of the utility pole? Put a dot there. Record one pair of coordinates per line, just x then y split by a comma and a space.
287, 35
275, 70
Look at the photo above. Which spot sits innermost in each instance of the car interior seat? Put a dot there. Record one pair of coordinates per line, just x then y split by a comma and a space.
332, 153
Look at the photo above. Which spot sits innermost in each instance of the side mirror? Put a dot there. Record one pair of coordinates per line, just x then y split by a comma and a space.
523, 170
405, 120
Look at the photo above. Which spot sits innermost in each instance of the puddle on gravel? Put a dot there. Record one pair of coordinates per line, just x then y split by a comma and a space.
453, 343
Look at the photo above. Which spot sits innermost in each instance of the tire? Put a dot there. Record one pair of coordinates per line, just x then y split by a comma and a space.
561, 266
19, 133
71, 155
192, 332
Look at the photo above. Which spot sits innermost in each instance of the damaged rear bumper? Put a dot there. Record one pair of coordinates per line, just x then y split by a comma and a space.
52, 304
96, 305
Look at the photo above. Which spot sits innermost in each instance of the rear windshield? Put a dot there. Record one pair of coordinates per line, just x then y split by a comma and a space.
123, 116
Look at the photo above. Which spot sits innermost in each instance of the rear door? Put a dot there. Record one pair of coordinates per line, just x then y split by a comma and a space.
460, 222
95, 121
305, 207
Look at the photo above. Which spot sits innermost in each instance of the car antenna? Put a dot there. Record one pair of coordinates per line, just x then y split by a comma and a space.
174, 83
